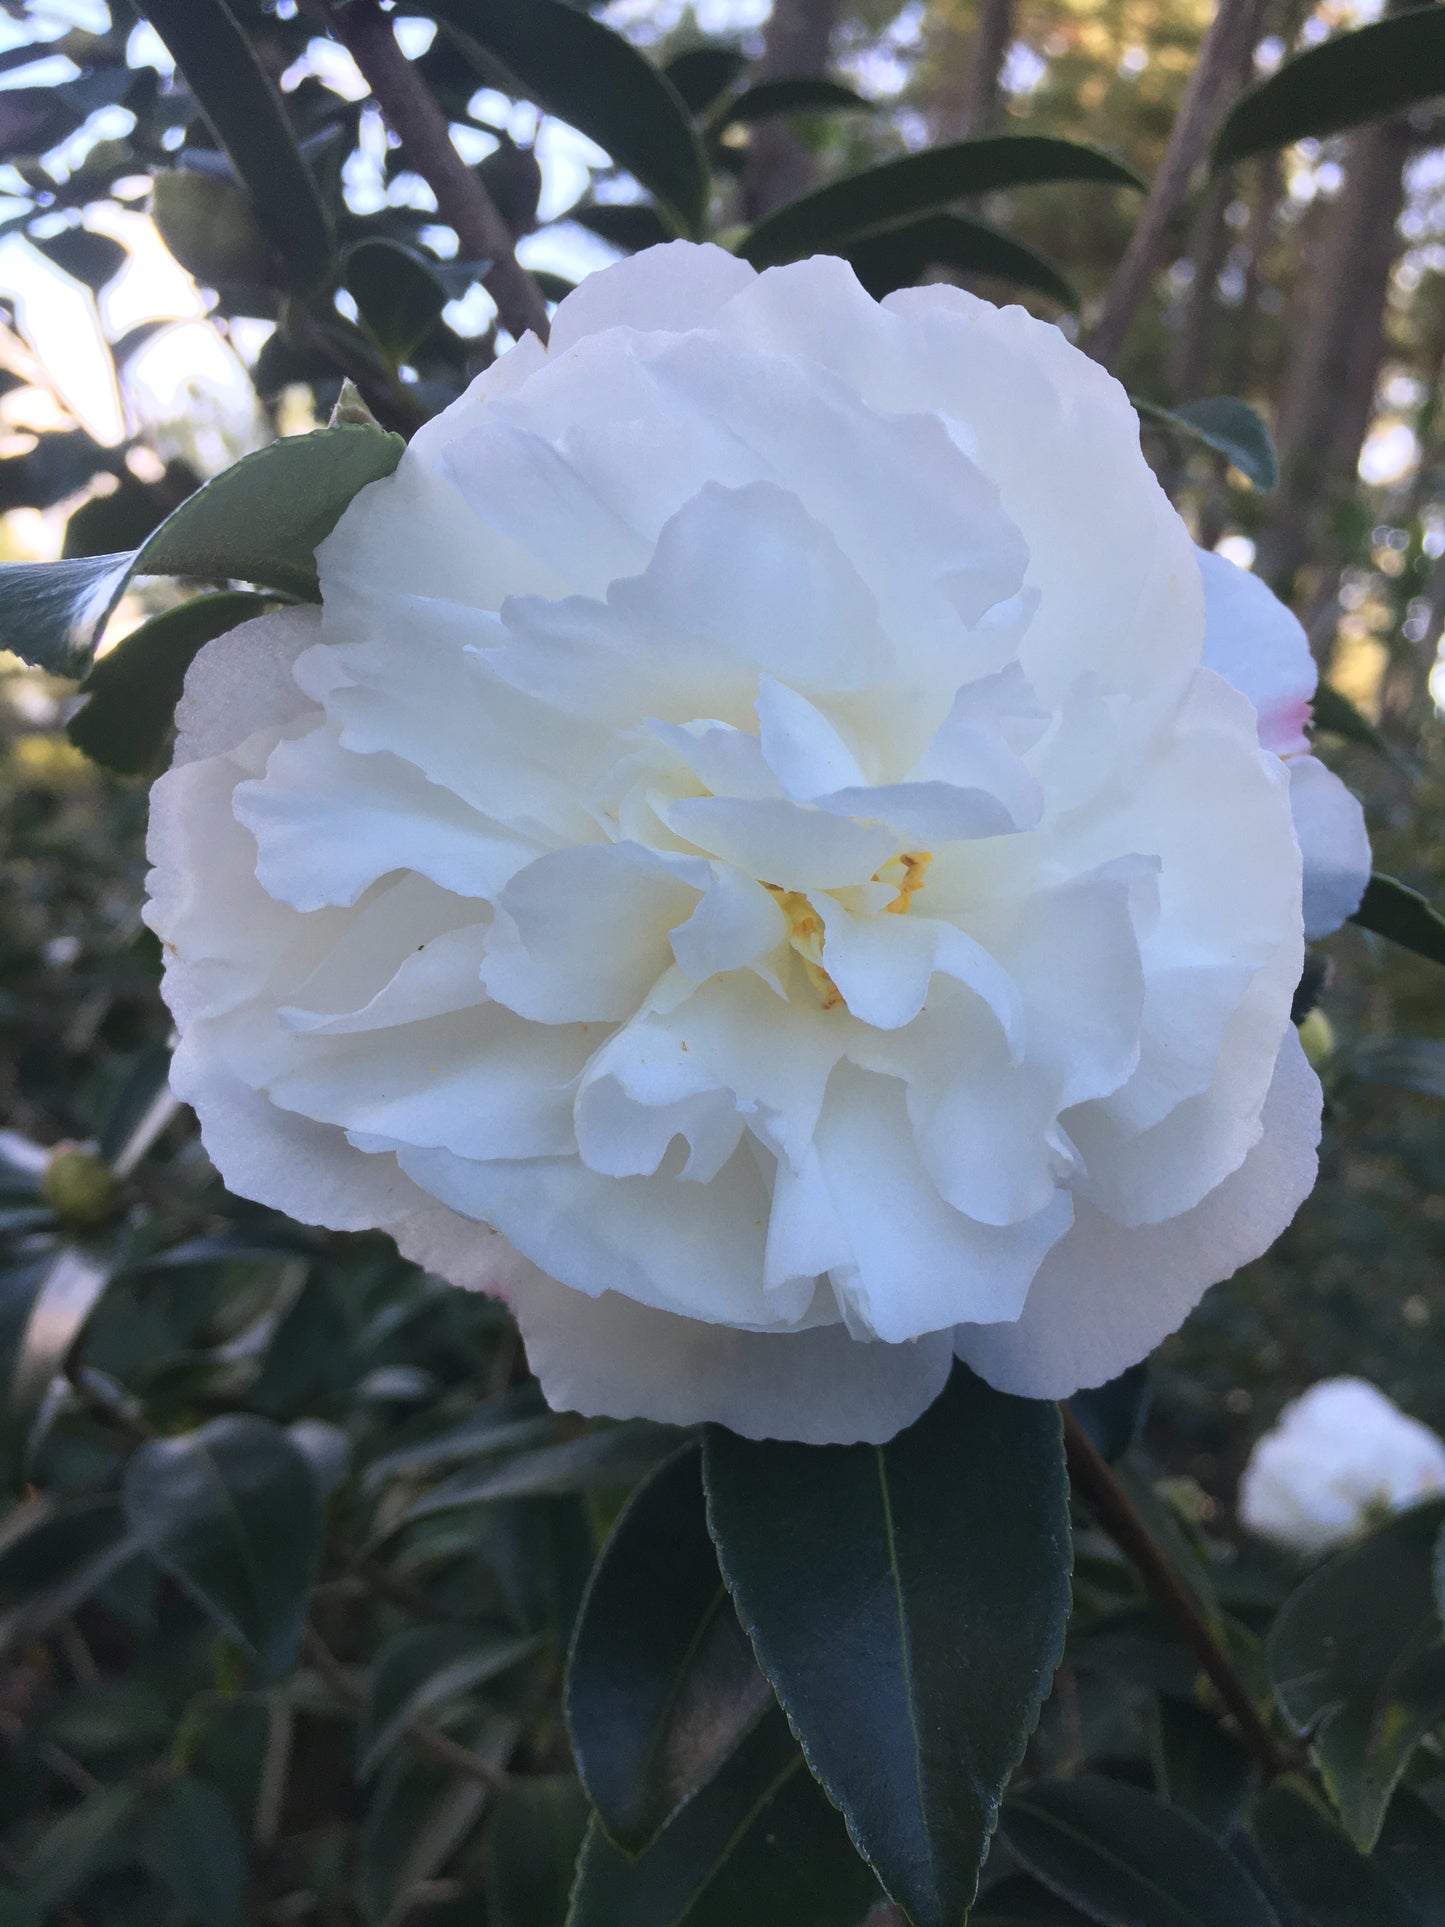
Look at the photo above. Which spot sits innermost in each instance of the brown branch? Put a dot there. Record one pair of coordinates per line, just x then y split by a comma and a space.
1233, 29
418, 123
1096, 1483
425, 1737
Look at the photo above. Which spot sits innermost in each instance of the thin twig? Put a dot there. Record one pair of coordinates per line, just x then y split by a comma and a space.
1234, 27
425, 1737
411, 112
1095, 1481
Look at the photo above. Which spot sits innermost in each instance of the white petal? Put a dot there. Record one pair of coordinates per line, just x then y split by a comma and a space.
609, 1357
690, 1248
440, 975
1107, 1295
582, 935
789, 844
736, 922
328, 824
928, 814
883, 966
479, 1082
242, 682
1256, 643
802, 748
673, 286
916, 1264
1334, 843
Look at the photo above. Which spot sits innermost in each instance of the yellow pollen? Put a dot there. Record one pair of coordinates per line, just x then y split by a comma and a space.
915, 869
805, 935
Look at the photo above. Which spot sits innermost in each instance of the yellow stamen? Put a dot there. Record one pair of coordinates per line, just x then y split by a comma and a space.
915, 869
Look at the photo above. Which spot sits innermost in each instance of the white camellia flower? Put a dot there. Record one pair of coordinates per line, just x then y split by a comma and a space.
748, 864
1340, 1455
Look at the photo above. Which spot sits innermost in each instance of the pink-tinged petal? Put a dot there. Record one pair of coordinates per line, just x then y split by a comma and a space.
1254, 642
1108, 1294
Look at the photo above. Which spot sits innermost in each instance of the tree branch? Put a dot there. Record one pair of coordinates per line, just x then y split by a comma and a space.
1094, 1480
1215, 77
413, 116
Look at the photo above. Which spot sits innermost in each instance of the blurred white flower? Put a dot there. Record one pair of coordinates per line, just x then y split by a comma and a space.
1340, 1456
748, 863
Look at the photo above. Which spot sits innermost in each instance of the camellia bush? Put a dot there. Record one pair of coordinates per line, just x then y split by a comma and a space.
730, 947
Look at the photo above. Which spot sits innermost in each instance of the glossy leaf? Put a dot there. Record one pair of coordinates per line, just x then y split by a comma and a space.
1203, 1769
423, 1668
245, 114
420, 1813
828, 218
72, 1288
700, 74
397, 296
1395, 911
897, 257
1357, 1660
259, 521
210, 226
1021, 1902
573, 66
661, 1682
1125, 1859
1336, 713
1319, 1869
760, 1843
130, 694
233, 1513
54, 1554
189, 1838
908, 1603
806, 94
616, 1455
1230, 427
1113, 1414
70, 1851
1411, 1854
1354, 77
532, 1845
629, 225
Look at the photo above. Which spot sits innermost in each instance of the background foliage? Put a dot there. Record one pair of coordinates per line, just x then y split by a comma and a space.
292, 1555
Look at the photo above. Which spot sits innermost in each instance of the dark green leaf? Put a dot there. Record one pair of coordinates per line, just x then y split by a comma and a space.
130, 694
702, 73
1357, 1661
1203, 1770
419, 1815
1403, 1064
1127, 1860
423, 1668
804, 95
630, 225
1354, 77
210, 227
617, 1455
1112, 1414
259, 521
828, 218
396, 294
233, 1513
189, 1838
1336, 713
908, 1603
245, 114
1021, 1902
760, 1844
506, 1424
897, 257
70, 1851
1411, 1855
1395, 911
589, 76
1227, 425
661, 1683
1318, 1867
532, 1845
54, 1554
88, 257
72, 1289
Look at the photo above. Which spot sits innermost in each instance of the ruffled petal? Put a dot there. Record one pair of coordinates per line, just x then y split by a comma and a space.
1334, 844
